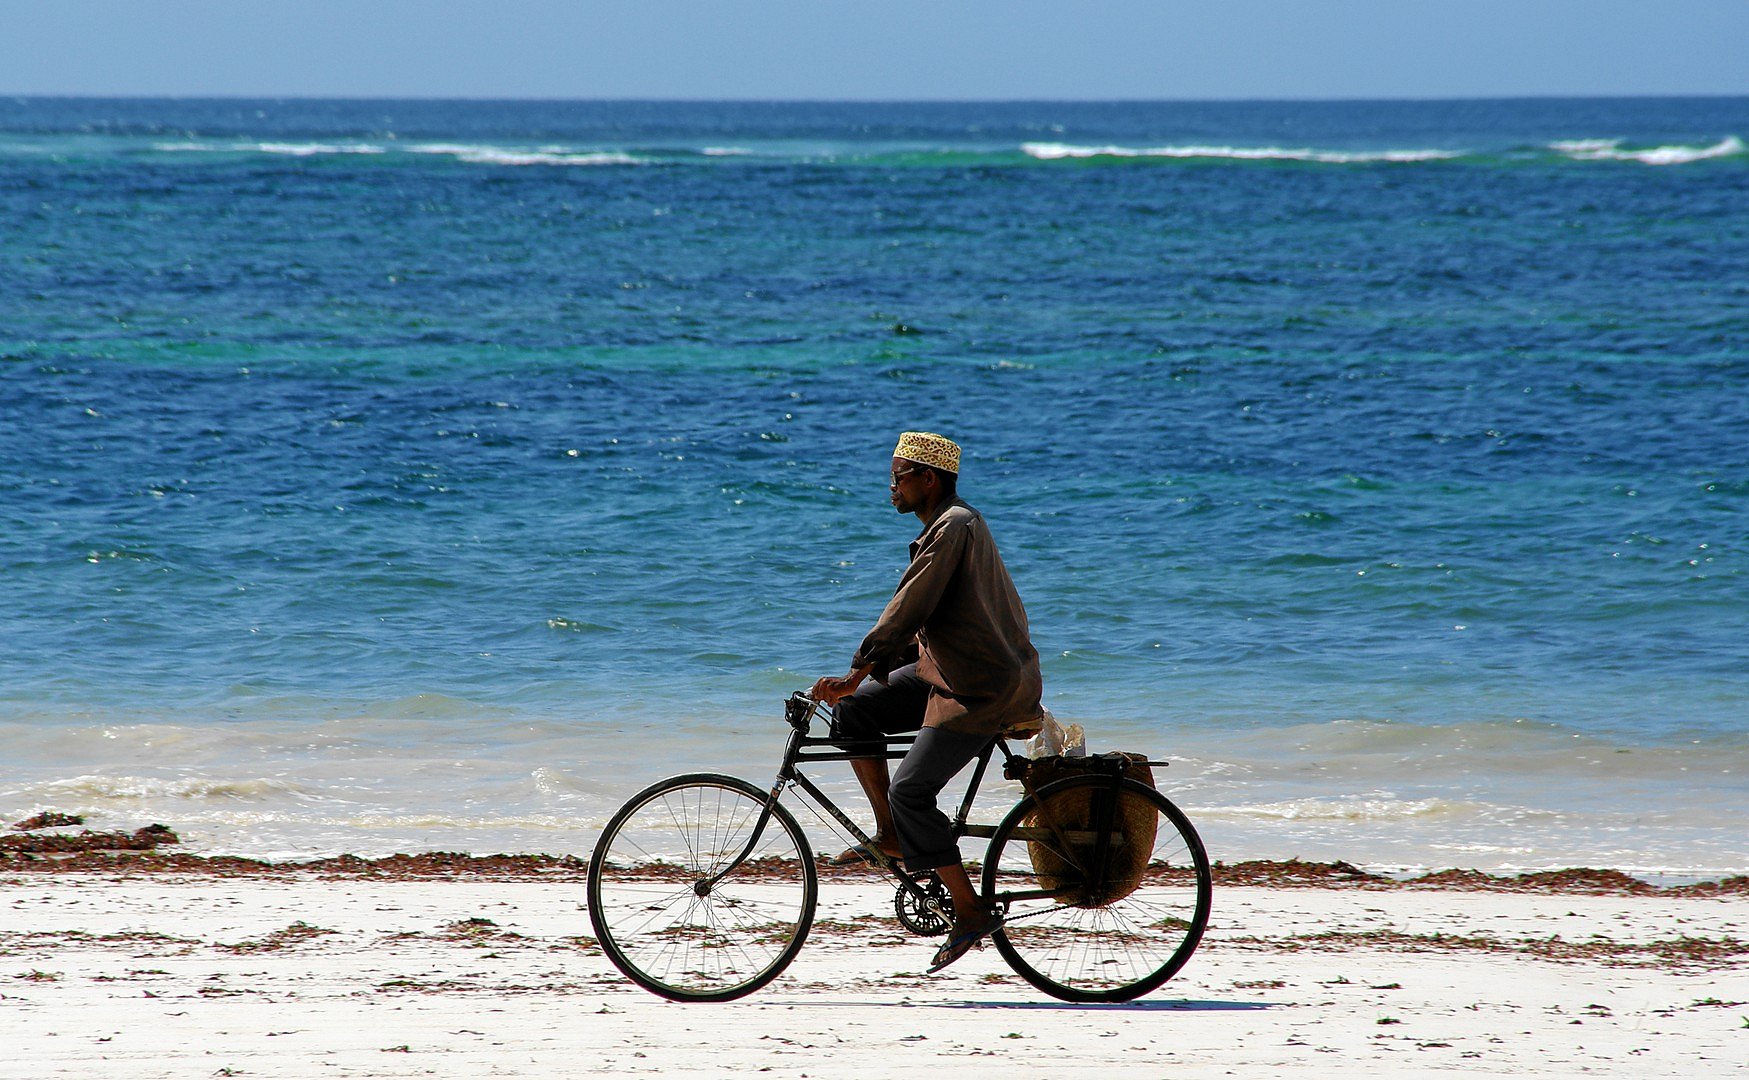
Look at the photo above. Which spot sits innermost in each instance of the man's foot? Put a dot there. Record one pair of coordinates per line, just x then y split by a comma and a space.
862, 853
966, 934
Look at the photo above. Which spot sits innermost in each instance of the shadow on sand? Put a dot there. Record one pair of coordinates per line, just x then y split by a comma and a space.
1181, 1005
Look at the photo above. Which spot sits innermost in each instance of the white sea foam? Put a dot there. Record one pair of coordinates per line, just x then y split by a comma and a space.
285, 148
95, 788
545, 155
416, 823
725, 151
1611, 150
470, 153
605, 157
1061, 151
1373, 809
453, 149
310, 149
557, 784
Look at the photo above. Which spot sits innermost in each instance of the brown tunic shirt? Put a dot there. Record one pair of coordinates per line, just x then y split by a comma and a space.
956, 613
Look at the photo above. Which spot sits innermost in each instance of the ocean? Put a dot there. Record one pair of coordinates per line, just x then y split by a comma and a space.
387, 476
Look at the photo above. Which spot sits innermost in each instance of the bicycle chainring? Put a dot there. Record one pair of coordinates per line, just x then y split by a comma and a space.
924, 919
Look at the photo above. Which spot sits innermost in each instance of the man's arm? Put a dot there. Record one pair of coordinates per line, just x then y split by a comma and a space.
831, 691
919, 591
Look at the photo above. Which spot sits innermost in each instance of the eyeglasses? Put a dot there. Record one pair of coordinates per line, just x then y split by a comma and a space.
902, 473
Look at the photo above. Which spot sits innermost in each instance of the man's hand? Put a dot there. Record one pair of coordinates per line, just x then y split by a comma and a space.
832, 690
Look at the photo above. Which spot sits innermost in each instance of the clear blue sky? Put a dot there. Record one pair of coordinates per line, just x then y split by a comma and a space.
875, 49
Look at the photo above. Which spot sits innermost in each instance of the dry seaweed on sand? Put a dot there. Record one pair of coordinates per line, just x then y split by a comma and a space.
47, 819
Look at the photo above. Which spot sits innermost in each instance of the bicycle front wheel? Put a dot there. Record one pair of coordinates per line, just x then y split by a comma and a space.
666, 924
1107, 934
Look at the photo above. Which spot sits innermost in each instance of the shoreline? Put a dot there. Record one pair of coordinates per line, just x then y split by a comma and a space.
124, 854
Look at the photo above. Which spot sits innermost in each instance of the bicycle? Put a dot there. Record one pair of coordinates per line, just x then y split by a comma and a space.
702, 887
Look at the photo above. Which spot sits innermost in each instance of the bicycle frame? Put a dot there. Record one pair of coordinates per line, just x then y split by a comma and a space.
800, 710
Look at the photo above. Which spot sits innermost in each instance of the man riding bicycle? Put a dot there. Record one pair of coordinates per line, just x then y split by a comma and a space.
952, 660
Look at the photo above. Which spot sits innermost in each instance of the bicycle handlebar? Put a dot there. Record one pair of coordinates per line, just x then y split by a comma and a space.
800, 708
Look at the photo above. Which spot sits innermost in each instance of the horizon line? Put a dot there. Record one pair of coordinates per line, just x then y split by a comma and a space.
435, 98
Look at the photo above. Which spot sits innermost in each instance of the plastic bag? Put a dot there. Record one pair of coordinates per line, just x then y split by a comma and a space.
1049, 740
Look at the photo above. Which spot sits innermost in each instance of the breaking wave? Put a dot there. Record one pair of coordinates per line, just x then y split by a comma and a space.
469, 153
99, 789
279, 148
1061, 151
1353, 809
1612, 150
546, 155
859, 154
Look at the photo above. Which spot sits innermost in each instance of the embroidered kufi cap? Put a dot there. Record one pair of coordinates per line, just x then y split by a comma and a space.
928, 448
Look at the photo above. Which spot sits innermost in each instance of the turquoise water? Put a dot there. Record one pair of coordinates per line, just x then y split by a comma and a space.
385, 475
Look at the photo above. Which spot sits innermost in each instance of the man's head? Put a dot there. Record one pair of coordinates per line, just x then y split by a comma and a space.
925, 471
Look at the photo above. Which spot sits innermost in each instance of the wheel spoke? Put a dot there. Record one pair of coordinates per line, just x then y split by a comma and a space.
665, 921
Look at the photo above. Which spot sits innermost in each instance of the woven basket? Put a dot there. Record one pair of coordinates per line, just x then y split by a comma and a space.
1064, 861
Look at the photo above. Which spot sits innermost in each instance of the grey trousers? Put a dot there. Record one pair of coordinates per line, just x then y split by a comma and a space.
925, 834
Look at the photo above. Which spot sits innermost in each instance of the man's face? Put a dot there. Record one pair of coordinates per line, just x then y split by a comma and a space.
906, 486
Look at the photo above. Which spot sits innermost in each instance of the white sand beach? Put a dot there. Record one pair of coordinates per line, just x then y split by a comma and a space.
303, 973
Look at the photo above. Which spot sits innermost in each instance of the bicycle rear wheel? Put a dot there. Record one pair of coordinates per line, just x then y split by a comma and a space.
661, 921
1114, 943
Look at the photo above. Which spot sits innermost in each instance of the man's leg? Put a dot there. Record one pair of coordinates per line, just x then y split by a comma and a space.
872, 774
966, 907
925, 833
875, 711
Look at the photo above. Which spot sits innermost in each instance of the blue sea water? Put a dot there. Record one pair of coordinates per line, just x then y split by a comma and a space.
391, 475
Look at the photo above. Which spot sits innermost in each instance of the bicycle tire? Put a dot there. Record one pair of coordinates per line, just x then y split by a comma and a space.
1098, 951
650, 917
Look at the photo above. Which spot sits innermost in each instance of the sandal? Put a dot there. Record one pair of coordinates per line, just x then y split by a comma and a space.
860, 853
965, 938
